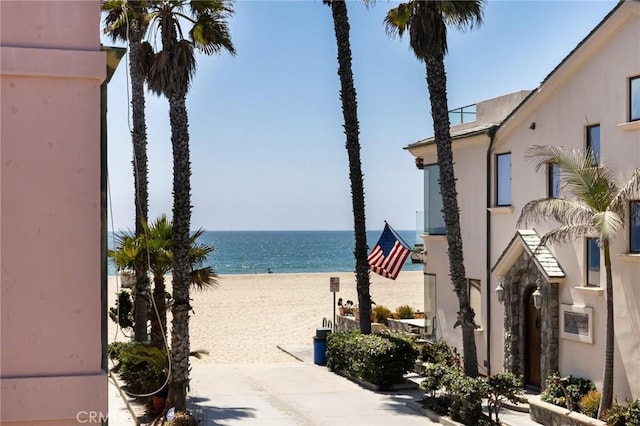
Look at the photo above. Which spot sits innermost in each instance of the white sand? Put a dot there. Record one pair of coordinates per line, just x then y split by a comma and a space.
248, 315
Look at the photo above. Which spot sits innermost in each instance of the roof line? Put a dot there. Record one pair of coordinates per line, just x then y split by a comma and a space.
578, 46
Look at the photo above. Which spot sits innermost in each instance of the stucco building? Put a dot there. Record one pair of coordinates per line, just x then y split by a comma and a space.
53, 74
591, 99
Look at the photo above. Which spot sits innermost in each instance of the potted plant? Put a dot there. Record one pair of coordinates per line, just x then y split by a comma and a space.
346, 307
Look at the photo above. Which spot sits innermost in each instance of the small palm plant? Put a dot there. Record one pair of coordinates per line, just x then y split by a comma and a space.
156, 245
593, 206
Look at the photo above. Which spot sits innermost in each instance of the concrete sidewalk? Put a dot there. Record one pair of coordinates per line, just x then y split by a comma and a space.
295, 393
291, 393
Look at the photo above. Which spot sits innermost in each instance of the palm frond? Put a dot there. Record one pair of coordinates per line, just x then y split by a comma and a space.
463, 14
210, 34
608, 224
398, 19
629, 191
567, 233
557, 209
203, 278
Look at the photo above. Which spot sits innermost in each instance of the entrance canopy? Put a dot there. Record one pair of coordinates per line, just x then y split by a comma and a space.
528, 240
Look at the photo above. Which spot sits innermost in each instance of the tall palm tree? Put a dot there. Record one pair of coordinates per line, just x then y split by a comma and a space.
426, 22
170, 75
350, 114
127, 21
592, 205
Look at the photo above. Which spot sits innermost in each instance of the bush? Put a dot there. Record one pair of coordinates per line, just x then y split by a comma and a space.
381, 313
381, 359
615, 416
504, 386
405, 312
468, 393
589, 404
460, 395
566, 391
633, 413
140, 366
436, 377
124, 315
440, 353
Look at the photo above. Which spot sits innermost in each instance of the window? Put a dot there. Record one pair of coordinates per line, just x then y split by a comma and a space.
475, 299
433, 218
634, 98
503, 179
593, 141
634, 226
593, 262
554, 181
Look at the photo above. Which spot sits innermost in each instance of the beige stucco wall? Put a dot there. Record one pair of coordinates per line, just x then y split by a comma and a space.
586, 90
468, 154
51, 70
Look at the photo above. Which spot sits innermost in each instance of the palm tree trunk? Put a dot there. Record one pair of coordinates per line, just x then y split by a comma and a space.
139, 140
159, 318
181, 267
351, 130
437, 85
607, 382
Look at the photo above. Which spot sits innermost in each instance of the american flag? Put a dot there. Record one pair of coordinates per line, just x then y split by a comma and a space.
389, 255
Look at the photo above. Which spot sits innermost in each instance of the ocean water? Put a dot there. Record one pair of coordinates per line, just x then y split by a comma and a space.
249, 252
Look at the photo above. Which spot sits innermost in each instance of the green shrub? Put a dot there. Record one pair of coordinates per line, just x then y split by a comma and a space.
615, 416
503, 386
381, 359
566, 391
405, 312
140, 366
589, 403
381, 313
468, 393
124, 315
440, 353
436, 377
632, 415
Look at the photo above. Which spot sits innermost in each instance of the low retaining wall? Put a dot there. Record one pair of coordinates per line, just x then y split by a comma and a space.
552, 415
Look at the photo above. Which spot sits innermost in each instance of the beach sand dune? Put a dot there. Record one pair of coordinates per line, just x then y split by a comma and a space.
247, 316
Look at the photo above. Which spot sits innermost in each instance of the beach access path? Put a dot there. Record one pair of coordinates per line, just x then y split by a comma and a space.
293, 393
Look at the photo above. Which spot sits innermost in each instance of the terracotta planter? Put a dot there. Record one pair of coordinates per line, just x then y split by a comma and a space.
157, 405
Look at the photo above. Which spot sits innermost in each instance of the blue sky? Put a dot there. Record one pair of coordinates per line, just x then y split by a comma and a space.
267, 144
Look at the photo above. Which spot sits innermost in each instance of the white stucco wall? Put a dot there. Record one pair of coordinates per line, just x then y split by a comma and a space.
587, 90
590, 87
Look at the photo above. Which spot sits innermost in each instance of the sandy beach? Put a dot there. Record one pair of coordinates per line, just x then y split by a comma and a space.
247, 316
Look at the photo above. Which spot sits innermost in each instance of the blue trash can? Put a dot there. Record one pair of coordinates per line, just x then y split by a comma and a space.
320, 346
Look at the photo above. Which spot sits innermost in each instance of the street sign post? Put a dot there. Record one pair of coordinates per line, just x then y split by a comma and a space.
334, 287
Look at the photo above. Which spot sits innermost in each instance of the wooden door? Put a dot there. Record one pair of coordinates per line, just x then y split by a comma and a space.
532, 341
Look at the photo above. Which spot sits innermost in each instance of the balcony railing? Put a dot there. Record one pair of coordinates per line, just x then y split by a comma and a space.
463, 114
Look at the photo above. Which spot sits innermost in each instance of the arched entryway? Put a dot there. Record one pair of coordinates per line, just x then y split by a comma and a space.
532, 341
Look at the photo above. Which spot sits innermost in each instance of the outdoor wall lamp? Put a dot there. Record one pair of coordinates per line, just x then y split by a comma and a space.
500, 290
537, 296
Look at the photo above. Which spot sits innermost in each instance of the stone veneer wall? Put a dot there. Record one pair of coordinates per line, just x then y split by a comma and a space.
517, 282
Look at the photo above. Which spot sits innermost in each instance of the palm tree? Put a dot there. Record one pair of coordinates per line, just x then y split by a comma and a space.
426, 22
350, 114
593, 205
170, 75
157, 242
155, 246
127, 21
